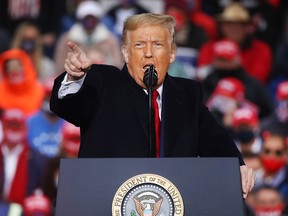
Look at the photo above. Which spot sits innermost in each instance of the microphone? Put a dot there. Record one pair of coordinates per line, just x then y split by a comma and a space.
150, 78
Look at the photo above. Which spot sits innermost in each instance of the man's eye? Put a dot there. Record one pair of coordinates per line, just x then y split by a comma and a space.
138, 45
158, 44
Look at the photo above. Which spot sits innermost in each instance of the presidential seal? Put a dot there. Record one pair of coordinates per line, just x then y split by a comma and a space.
147, 195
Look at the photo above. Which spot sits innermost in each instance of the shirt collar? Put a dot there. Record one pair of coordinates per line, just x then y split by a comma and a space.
159, 89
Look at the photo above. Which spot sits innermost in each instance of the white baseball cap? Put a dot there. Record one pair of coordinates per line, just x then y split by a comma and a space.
89, 7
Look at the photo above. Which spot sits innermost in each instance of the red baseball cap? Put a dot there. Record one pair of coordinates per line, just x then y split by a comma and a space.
226, 49
282, 91
230, 87
245, 116
71, 139
37, 203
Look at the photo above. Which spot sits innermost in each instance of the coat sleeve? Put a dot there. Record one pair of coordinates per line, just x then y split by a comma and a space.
77, 108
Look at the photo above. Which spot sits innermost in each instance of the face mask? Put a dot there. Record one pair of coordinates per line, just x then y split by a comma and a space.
89, 22
28, 45
14, 137
272, 165
245, 136
269, 211
223, 104
282, 111
15, 77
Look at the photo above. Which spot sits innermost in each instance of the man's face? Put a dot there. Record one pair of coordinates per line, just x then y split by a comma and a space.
274, 147
235, 31
14, 70
148, 45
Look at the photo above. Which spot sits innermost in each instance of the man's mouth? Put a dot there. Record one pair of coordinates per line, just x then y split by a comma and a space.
147, 66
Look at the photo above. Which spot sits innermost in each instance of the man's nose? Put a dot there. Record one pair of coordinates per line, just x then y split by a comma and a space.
148, 51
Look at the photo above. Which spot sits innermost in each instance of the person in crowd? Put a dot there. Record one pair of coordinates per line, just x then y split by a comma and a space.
227, 63
228, 95
278, 120
273, 157
19, 87
268, 201
50, 183
266, 16
246, 131
46, 14
37, 204
234, 24
188, 37
44, 127
202, 18
102, 99
69, 149
89, 32
71, 141
187, 33
27, 37
115, 16
22, 168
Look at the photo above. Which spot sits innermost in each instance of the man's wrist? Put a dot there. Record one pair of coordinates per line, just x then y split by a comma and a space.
76, 78
73, 78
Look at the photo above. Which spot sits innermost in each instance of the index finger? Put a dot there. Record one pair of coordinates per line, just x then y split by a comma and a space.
74, 48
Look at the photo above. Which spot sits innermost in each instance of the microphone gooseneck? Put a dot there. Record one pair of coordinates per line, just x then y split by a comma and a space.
150, 79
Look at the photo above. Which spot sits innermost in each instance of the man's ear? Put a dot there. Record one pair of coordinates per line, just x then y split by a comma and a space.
125, 54
172, 55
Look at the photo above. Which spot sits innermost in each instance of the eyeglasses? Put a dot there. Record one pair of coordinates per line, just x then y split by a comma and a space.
278, 153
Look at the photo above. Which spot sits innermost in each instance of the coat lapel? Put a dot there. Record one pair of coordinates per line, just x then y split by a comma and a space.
173, 100
139, 101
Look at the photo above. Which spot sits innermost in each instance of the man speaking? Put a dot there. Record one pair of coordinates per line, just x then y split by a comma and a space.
111, 105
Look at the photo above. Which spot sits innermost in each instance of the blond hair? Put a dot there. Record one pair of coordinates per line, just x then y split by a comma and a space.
148, 19
18, 36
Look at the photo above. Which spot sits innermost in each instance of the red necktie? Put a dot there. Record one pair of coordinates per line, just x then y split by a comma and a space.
155, 94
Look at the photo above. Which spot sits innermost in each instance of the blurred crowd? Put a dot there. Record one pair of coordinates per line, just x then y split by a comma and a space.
237, 49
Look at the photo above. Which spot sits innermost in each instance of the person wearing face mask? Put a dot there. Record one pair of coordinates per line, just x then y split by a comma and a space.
235, 24
278, 120
267, 201
228, 96
19, 87
89, 32
69, 149
44, 127
28, 38
245, 130
273, 157
227, 62
22, 168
